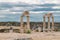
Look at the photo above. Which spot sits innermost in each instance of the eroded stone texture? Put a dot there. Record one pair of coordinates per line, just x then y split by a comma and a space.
49, 15
26, 13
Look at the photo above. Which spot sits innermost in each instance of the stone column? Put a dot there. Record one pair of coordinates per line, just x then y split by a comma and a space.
44, 24
52, 23
21, 29
28, 23
48, 23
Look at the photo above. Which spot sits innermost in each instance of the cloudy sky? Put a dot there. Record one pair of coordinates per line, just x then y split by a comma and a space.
11, 10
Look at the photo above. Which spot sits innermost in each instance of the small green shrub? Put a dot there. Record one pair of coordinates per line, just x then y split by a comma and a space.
28, 31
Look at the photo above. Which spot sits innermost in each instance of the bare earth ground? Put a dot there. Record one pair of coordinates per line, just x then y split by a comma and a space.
34, 36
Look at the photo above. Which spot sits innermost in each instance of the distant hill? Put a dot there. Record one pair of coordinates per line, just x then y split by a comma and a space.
18, 23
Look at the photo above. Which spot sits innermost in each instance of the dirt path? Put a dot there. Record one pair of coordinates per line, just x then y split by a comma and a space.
34, 36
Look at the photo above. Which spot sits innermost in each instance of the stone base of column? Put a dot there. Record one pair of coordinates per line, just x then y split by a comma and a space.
49, 30
52, 30
21, 30
39, 29
44, 29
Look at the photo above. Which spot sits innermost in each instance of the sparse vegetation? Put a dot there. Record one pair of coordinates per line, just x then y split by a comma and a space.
28, 31
37, 30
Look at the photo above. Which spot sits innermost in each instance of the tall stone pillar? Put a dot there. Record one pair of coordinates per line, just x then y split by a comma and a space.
28, 23
44, 24
21, 29
52, 23
48, 23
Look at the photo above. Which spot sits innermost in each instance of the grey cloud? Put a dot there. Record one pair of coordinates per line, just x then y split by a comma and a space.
45, 9
30, 7
48, 5
5, 5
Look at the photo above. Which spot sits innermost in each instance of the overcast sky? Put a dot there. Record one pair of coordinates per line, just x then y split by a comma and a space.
33, 1
11, 10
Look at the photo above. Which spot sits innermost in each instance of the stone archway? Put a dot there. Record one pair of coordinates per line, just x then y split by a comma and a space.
49, 15
25, 13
